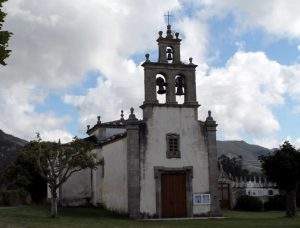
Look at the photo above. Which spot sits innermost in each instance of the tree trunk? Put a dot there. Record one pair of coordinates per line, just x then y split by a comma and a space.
291, 203
53, 203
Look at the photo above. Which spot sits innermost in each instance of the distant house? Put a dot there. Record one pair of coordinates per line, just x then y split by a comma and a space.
231, 188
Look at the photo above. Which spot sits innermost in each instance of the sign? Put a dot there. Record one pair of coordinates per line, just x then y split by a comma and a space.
199, 198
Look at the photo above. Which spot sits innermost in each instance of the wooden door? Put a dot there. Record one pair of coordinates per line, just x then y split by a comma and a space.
173, 195
224, 195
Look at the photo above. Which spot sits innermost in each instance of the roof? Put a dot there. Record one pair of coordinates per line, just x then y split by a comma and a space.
112, 124
112, 139
107, 140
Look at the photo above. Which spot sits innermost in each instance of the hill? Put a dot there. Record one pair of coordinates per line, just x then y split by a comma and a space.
9, 145
249, 153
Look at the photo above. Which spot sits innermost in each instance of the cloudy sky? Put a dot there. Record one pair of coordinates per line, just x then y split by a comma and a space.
74, 60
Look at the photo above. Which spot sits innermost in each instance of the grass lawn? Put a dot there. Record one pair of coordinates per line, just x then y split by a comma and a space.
38, 217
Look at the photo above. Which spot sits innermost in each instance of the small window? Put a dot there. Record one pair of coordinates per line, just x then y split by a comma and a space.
173, 149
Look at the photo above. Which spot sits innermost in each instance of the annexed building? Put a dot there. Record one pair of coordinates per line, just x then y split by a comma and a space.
164, 165
231, 188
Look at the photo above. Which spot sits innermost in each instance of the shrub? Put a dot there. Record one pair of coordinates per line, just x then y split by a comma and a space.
13, 197
249, 203
275, 203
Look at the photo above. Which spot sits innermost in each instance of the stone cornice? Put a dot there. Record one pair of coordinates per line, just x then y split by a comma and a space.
158, 65
187, 105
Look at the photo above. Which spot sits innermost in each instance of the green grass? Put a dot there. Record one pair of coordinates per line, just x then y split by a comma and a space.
38, 217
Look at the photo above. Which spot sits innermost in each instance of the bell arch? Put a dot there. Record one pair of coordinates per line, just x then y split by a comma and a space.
180, 88
161, 88
170, 54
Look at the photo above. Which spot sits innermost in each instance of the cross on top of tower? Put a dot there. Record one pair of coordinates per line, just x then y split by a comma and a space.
168, 15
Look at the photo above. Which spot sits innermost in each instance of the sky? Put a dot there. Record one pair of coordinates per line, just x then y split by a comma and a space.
74, 60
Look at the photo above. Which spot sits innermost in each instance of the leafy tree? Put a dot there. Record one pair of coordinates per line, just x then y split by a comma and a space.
283, 168
22, 174
56, 162
4, 37
233, 166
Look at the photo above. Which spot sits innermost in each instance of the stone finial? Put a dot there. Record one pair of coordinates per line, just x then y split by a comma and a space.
209, 117
147, 57
169, 32
98, 119
191, 60
210, 122
132, 115
160, 34
122, 115
177, 35
88, 127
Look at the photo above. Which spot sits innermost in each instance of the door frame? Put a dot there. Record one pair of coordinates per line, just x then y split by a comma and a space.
188, 170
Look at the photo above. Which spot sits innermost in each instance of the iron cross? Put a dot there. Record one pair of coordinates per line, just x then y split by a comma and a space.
168, 16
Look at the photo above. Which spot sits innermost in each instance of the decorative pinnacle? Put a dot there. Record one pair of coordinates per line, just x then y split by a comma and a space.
177, 35
132, 115
160, 33
122, 115
169, 32
147, 57
209, 117
88, 127
191, 60
98, 119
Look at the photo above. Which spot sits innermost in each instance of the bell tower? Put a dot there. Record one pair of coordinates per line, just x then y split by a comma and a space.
169, 76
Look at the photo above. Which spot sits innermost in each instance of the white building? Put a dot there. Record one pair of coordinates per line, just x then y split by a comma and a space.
164, 165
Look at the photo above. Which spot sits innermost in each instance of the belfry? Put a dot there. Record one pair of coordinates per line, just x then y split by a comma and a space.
163, 165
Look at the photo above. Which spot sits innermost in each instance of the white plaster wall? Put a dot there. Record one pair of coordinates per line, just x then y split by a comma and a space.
113, 187
102, 133
76, 190
182, 121
113, 131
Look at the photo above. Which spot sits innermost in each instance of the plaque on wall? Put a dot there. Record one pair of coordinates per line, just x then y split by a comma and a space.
199, 198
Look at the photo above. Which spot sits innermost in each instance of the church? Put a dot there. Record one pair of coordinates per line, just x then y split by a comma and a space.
163, 165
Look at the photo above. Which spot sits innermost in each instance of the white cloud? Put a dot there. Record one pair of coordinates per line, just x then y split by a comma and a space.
111, 95
18, 115
243, 93
278, 17
56, 43
123, 85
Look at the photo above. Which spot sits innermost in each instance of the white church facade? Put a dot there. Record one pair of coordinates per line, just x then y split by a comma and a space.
163, 165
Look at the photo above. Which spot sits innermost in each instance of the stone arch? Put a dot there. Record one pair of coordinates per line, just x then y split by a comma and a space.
161, 87
169, 53
180, 88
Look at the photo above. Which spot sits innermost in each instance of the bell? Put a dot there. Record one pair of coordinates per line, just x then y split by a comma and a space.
179, 91
161, 84
179, 83
169, 54
169, 57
